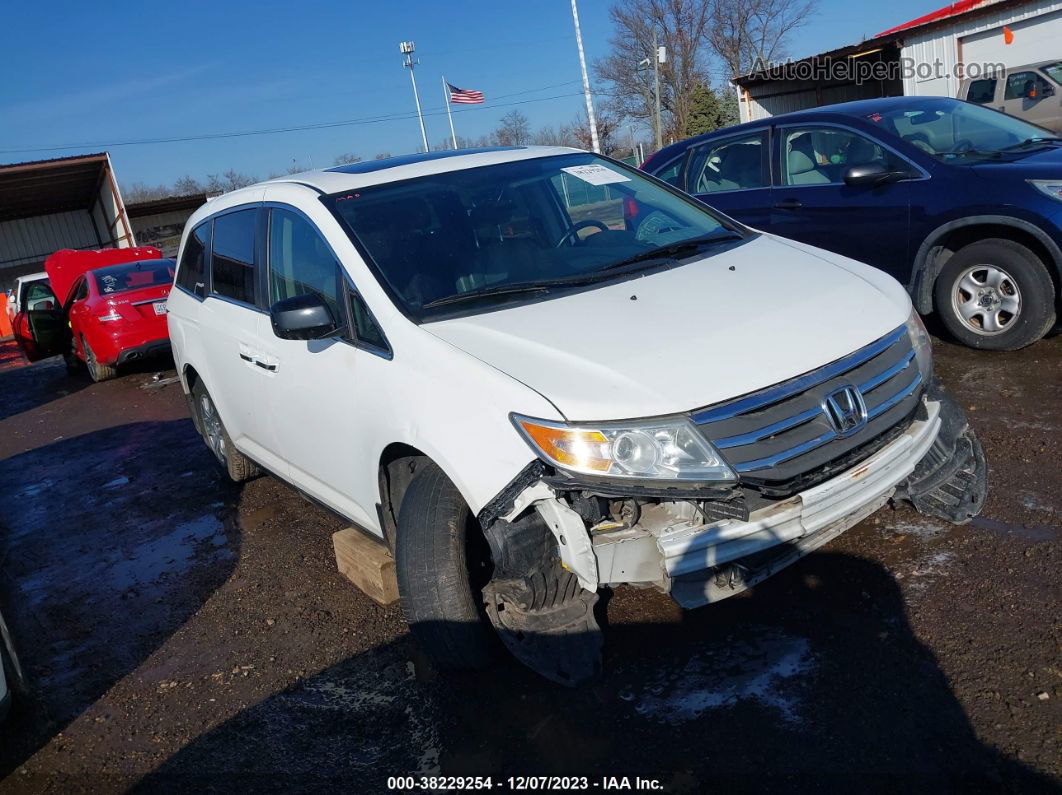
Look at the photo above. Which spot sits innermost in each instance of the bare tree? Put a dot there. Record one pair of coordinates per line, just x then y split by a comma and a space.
608, 127
744, 33
382, 155
140, 192
186, 186
346, 159
230, 180
681, 26
561, 135
514, 130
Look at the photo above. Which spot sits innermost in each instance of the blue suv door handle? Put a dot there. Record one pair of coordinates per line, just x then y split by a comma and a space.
788, 204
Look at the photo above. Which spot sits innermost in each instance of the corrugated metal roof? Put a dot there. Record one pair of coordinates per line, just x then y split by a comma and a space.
93, 155
51, 186
947, 12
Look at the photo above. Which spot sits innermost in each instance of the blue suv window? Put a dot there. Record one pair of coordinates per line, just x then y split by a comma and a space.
822, 155
733, 164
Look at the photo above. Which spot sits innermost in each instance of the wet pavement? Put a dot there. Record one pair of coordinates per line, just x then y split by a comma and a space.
181, 633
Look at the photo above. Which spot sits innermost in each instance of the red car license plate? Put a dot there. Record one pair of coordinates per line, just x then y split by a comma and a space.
160, 308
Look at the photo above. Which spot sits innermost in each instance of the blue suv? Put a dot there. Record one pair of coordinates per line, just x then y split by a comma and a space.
960, 203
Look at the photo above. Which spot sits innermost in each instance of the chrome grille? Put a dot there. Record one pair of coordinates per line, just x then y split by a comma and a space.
783, 433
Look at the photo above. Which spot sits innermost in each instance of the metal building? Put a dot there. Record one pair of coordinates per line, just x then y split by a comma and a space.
68, 202
925, 56
160, 222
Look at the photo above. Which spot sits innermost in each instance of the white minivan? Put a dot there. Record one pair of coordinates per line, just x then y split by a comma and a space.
536, 372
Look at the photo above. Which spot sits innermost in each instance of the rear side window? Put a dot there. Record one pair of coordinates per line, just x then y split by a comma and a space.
191, 275
981, 91
232, 261
300, 262
671, 173
735, 164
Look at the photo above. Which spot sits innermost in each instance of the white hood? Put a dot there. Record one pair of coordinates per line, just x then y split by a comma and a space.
711, 330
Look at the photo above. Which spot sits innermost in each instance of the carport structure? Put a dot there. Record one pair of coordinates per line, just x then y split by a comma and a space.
67, 202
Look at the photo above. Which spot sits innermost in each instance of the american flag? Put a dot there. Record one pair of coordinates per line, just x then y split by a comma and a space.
464, 96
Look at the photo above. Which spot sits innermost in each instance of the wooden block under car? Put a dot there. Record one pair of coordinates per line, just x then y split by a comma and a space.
366, 563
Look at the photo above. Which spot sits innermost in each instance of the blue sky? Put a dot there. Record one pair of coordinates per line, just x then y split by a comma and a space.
97, 74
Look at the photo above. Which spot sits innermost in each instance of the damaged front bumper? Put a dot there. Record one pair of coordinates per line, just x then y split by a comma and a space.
936, 463
686, 549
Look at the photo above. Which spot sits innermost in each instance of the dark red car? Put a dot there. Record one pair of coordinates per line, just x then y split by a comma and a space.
109, 308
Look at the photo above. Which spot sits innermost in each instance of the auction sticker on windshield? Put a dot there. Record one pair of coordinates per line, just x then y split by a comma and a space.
596, 175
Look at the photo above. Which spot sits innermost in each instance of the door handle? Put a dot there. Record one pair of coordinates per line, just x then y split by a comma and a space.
788, 204
266, 363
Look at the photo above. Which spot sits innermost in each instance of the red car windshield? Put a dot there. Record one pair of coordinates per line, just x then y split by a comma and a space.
133, 276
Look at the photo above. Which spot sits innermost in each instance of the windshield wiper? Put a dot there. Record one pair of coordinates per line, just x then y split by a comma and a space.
677, 249
485, 292
1038, 139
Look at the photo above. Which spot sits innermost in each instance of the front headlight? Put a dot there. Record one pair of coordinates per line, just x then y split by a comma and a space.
662, 449
922, 344
1049, 187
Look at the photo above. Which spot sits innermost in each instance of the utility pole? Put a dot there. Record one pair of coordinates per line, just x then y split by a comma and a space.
656, 80
596, 145
407, 48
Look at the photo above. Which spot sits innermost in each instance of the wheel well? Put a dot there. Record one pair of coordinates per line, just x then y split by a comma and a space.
399, 463
190, 376
951, 241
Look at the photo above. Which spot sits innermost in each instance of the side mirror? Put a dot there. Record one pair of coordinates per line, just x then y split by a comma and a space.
872, 174
304, 317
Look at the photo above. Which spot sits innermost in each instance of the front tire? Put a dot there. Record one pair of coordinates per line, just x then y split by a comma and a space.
235, 464
437, 539
996, 295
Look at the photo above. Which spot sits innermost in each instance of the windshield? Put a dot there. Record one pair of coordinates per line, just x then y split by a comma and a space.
485, 236
953, 131
133, 275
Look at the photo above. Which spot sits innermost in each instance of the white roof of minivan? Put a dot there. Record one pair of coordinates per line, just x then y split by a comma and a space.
392, 169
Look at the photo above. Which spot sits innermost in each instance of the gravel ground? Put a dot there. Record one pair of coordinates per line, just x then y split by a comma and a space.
181, 633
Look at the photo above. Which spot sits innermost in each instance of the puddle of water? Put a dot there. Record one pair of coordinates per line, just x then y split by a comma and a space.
171, 553
1028, 532
35, 489
758, 670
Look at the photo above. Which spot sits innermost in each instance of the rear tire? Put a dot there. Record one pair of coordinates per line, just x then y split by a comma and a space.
996, 295
436, 530
235, 464
97, 370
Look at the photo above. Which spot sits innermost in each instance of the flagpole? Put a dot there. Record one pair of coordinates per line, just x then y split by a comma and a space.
446, 93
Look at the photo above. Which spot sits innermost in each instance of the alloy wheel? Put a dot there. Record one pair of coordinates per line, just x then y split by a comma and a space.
212, 427
986, 299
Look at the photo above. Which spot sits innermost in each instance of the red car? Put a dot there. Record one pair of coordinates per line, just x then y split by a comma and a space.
108, 308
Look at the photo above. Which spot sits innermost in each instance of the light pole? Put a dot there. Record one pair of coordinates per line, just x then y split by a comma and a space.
658, 58
595, 144
407, 48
